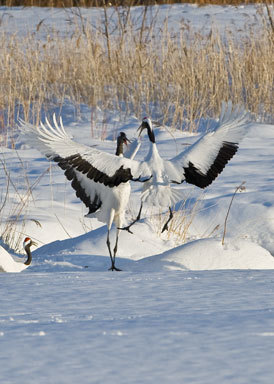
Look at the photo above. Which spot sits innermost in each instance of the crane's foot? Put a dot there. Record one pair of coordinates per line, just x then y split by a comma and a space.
165, 227
127, 228
113, 268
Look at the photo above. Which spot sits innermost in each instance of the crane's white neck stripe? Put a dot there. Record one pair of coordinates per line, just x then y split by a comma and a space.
27, 242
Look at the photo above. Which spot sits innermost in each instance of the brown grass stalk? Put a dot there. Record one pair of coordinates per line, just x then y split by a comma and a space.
100, 3
240, 188
181, 78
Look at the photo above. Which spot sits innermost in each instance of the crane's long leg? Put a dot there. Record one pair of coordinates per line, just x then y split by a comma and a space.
127, 228
115, 251
112, 258
110, 254
165, 227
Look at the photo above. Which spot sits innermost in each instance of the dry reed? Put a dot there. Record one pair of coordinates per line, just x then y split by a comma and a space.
100, 3
15, 201
179, 228
179, 79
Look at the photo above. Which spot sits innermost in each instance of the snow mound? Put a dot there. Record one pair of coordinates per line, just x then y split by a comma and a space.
202, 254
209, 254
8, 264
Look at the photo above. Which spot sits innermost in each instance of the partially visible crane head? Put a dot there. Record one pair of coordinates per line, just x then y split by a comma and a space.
147, 124
123, 137
121, 140
28, 242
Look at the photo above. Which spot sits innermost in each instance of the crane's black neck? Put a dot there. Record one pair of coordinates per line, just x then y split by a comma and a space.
119, 148
121, 139
28, 252
151, 135
150, 132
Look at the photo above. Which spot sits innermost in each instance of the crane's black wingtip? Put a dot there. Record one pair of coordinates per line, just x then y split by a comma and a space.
194, 176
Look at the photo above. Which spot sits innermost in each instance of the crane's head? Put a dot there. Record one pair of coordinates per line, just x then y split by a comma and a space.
147, 124
122, 138
27, 243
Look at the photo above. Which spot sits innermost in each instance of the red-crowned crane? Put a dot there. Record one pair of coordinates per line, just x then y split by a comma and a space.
199, 164
100, 179
8, 264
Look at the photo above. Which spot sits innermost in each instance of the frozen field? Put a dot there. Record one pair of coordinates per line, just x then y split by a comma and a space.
26, 19
172, 327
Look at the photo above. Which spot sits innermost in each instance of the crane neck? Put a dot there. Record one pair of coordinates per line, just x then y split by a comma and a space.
119, 148
28, 252
151, 134
153, 154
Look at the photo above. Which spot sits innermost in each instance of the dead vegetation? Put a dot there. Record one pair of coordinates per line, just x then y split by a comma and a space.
101, 3
180, 78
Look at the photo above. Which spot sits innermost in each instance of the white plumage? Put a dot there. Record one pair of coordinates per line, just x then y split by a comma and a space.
8, 264
212, 151
101, 180
54, 141
199, 164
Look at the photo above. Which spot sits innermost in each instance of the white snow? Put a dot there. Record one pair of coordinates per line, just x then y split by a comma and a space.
165, 327
8, 264
26, 20
197, 312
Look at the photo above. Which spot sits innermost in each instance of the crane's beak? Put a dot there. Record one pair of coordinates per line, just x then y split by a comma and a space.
34, 243
126, 141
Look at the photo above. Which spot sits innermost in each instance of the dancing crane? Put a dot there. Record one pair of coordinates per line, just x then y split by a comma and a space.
100, 179
199, 164
8, 264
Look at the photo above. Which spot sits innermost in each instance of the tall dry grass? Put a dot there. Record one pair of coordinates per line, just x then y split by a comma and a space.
14, 202
179, 78
179, 228
100, 3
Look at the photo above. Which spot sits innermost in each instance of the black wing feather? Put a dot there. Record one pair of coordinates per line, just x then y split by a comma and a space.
196, 177
71, 175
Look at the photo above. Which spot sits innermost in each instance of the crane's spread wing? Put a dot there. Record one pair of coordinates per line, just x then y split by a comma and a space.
203, 161
88, 169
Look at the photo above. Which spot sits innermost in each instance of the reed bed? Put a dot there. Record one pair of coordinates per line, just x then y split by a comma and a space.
178, 79
100, 3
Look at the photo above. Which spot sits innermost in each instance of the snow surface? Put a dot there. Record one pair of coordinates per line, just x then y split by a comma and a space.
162, 327
197, 312
40, 21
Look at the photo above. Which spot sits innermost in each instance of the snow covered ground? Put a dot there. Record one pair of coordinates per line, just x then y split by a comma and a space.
161, 327
26, 20
197, 312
